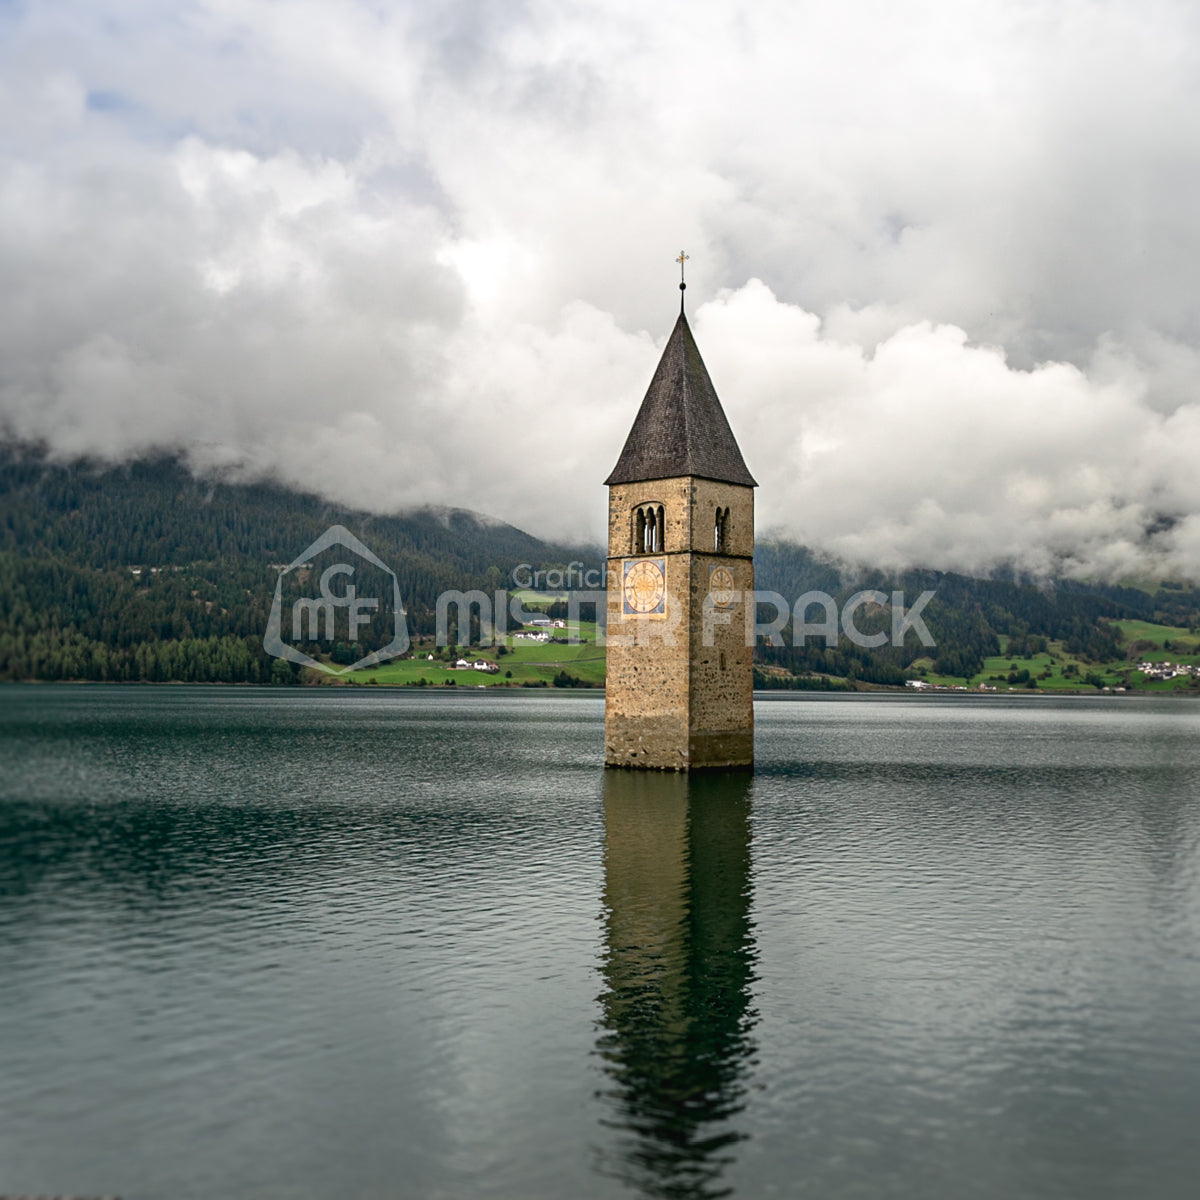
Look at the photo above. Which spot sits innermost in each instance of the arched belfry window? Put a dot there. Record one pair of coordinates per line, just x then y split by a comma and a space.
721, 530
648, 527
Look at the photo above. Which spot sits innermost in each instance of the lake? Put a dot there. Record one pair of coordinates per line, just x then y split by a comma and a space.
307, 943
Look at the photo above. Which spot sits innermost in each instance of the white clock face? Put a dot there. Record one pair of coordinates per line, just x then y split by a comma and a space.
645, 587
720, 587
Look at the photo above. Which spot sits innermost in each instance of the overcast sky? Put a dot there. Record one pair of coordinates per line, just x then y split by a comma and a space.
944, 256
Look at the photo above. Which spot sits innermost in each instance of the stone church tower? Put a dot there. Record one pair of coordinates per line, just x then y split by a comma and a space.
679, 676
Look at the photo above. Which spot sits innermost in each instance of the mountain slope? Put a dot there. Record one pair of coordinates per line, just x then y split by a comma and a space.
145, 572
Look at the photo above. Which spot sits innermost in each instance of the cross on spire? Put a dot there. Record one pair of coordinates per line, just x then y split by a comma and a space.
683, 257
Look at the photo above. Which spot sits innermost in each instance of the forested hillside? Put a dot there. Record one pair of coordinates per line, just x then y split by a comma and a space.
145, 572
970, 619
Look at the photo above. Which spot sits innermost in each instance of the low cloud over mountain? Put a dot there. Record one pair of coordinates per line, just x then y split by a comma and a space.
942, 267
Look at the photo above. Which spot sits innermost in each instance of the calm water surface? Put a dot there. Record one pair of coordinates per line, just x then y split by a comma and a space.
275, 943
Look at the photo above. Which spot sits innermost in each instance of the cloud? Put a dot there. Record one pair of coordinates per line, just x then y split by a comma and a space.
942, 258
929, 450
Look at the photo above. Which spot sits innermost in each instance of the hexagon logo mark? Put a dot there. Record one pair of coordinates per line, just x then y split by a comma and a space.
323, 609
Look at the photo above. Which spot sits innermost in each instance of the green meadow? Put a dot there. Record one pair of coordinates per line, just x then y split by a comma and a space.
1159, 643
1058, 670
523, 664
536, 600
537, 664
1052, 671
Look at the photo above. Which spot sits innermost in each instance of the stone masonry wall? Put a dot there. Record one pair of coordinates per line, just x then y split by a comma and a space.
671, 701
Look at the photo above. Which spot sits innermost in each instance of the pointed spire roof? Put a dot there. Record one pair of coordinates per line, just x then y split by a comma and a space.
681, 428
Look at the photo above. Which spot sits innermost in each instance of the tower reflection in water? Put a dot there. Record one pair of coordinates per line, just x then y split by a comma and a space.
676, 1018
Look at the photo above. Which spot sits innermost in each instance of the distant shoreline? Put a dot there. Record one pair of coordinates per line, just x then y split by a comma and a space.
877, 689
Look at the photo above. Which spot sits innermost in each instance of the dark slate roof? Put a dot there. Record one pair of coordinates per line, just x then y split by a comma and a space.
681, 428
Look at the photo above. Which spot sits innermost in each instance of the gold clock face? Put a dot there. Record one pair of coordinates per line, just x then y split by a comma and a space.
645, 587
720, 587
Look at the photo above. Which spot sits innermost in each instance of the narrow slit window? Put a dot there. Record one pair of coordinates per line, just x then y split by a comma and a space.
721, 530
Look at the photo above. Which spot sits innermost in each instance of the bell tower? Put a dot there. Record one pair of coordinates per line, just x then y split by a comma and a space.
679, 674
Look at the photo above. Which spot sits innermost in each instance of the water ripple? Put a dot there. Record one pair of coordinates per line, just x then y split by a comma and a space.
275, 943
